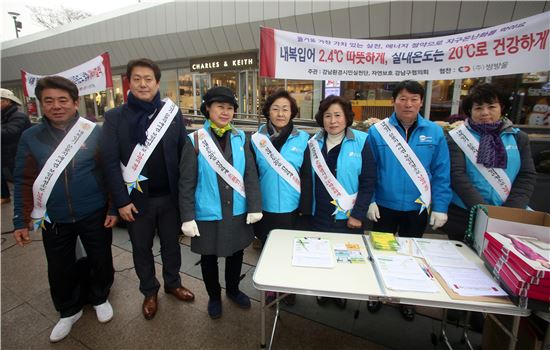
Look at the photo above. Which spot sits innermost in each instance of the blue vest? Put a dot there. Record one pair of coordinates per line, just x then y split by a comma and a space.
277, 194
207, 194
349, 163
478, 181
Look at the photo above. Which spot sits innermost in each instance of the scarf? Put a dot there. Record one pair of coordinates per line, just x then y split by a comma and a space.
491, 153
278, 138
220, 131
143, 112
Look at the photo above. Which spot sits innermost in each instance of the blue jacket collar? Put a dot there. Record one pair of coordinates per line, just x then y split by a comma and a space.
420, 120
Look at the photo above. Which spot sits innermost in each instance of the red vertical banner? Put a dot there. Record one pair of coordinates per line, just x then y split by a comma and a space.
107, 67
24, 80
125, 87
267, 52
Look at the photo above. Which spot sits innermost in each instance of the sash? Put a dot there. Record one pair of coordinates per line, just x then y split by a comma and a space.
219, 164
276, 160
408, 160
496, 177
141, 153
54, 166
341, 199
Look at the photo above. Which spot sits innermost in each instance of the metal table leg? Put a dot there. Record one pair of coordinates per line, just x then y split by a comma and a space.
262, 316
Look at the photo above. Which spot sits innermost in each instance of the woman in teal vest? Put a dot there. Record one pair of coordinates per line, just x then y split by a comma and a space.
286, 193
219, 196
501, 148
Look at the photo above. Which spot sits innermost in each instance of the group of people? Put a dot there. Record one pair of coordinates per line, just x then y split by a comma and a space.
221, 188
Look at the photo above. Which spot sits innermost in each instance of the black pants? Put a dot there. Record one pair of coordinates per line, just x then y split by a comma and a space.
66, 282
272, 221
406, 223
457, 224
210, 274
161, 217
5, 189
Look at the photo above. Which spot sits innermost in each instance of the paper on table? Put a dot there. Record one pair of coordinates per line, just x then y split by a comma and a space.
348, 253
404, 273
470, 282
442, 253
312, 252
408, 247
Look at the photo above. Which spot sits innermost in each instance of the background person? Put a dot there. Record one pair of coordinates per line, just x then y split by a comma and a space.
396, 208
500, 147
76, 207
217, 212
282, 201
146, 191
349, 160
14, 123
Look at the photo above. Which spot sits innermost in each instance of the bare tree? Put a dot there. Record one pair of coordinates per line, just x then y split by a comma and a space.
51, 18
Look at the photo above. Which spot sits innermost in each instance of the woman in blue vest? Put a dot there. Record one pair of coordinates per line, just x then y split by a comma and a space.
219, 196
349, 158
501, 147
283, 199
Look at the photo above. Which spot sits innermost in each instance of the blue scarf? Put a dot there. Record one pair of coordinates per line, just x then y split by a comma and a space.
491, 153
139, 121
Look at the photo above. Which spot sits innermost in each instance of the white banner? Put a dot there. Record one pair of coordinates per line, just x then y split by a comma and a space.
91, 76
516, 47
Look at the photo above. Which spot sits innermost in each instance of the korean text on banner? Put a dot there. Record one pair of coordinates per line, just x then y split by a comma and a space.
91, 76
516, 47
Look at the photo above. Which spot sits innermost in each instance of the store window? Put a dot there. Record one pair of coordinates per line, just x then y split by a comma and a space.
441, 101
369, 99
301, 90
169, 85
118, 97
186, 92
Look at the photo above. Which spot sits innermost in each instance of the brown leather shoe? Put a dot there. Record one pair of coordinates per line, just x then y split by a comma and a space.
150, 307
181, 293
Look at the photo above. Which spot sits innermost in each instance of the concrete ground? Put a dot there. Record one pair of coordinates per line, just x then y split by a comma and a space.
28, 315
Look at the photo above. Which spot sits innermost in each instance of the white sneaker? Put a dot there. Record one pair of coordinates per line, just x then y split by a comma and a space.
104, 312
64, 326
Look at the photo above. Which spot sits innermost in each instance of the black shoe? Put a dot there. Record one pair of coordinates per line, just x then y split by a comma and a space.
374, 306
341, 303
408, 312
322, 301
290, 299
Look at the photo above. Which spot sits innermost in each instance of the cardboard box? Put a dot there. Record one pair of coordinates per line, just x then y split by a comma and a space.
512, 221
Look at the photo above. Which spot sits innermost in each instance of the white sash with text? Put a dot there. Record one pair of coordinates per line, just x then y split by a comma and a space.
276, 160
408, 160
343, 200
141, 153
219, 164
54, 166
496, 177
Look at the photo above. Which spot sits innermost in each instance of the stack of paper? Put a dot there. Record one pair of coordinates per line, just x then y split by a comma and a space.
384, 241
348, 253
404, 273
461, 275
312, 252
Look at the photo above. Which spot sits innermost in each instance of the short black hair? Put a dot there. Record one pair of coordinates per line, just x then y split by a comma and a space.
142, 62
411, 86
281, 93
485, 93
330, 100
56, 82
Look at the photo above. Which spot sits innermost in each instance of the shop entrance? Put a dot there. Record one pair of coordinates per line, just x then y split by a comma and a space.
201, 84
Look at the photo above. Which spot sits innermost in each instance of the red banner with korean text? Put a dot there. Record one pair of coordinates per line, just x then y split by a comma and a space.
91, 76
516, 47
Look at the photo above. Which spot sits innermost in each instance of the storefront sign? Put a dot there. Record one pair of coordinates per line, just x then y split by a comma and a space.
516, 47
242, 61
91, 76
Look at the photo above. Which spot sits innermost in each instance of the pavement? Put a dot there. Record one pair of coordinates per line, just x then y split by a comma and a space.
28, 315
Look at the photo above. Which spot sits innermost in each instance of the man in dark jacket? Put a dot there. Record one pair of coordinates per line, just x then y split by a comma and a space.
13, 125
141, 145
59, 187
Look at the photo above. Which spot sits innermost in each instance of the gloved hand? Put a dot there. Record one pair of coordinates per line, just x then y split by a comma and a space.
253, 217
374, 213
190, 229
437, 219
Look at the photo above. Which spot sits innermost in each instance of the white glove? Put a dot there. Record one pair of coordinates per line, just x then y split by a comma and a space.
253, 217
190, 229
437, 219
374, 213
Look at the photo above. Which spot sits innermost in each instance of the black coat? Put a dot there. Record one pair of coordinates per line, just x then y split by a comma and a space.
13, 125
117, 146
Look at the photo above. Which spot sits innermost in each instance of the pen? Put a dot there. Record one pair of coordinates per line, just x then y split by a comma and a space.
427, 271
303, 244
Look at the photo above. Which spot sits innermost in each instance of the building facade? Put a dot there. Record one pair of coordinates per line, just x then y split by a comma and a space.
200, 44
